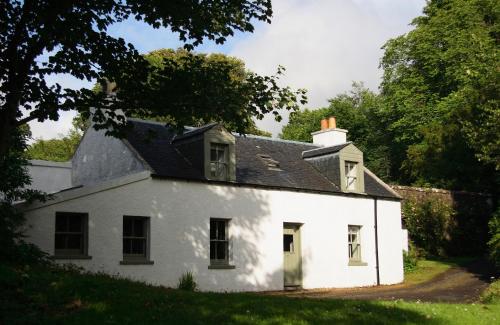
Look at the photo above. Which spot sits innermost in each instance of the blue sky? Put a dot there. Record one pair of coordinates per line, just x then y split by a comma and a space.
325, 45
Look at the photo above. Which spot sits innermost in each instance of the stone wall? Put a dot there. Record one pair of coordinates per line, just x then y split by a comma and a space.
469, 232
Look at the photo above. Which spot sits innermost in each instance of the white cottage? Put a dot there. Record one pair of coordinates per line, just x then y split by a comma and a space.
243, 213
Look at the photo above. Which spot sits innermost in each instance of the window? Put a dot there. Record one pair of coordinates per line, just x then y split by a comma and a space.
351, 178
219, 242
135, 239
288, 243
354, 243
71, 234
219, 161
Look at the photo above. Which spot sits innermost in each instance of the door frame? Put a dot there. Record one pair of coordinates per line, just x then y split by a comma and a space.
298, 248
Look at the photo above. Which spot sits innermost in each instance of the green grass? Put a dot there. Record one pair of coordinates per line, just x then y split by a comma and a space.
429, 268
46, 295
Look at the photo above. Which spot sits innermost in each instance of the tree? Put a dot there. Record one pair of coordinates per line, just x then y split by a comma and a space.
14, 179
358, 112
440, 88
40, 38
58, 149
188, 76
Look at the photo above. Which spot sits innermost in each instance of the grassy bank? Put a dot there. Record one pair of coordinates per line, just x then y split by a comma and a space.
53, 296
427, 269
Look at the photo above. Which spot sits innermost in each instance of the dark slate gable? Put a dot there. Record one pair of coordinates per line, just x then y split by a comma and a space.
324, 150
293, 173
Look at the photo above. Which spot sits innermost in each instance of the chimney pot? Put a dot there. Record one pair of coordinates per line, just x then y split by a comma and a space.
332, 123
324, 124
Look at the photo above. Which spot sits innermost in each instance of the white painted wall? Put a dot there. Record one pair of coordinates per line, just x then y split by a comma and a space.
180, 213
404, 239
329, 137
49, 176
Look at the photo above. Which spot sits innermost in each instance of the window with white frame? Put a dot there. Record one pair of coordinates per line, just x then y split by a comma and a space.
351, 175
219, 161
219, 241
354, 242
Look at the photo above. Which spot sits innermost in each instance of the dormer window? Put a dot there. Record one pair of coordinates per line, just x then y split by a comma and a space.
219, 161
351, 175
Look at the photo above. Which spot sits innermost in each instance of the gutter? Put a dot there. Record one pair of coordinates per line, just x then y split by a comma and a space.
375, 215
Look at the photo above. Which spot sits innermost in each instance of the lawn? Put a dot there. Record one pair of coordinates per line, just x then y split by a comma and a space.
52, 296
429, 268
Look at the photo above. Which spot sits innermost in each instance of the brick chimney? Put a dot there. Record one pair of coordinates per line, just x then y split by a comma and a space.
329, 135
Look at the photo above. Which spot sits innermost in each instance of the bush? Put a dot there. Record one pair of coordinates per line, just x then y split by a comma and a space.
494, 242
187, 282
429, 223
492, 293
410, 259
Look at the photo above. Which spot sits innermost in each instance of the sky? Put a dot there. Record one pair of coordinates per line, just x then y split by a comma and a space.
324, 45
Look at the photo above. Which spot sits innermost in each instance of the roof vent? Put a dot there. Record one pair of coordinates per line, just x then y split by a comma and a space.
270, 162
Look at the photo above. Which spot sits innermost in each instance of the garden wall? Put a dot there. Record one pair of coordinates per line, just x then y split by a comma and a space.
467, 231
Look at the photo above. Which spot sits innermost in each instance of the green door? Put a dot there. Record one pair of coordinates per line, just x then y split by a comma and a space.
292, 255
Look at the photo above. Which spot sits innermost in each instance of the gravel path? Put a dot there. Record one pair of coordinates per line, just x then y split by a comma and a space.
457, 285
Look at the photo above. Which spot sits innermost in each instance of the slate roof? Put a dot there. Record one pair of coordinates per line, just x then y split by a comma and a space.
293, 173
324, 150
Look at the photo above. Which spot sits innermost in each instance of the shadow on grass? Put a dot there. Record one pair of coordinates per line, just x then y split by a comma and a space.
66, 297
44, 295
481, 267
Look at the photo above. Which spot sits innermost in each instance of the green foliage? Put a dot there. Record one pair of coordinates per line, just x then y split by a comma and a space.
187, 282
429, 223
494, 242
13, 180
227, 86
179, 89
410, 259
440, 90
358, 111
61, 149
492, 293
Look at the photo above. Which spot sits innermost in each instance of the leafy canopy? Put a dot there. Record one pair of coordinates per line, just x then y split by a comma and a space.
42, 38
441, 88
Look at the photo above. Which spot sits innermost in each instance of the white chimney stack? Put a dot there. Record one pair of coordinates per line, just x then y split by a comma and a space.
329, 135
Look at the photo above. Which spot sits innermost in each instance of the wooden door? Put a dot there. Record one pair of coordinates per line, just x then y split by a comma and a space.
292, 256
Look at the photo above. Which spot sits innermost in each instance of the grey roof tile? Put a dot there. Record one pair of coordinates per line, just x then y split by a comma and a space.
153, 142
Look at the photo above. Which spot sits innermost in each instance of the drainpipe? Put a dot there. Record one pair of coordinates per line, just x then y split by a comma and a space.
376, 239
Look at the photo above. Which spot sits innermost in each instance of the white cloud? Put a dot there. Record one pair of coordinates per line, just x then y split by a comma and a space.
54, 129
325, 44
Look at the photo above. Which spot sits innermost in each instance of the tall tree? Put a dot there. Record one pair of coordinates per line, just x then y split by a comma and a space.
441, 87
41, 38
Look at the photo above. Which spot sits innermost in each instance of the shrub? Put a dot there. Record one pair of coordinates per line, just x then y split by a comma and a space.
429, 223
494, 242
410, 258
187, 282
492, 293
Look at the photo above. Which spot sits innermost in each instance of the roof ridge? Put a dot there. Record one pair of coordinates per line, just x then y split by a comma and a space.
252, 136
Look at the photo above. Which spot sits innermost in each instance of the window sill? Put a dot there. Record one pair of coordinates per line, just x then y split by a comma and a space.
145, 262
71, 257
221, 267
357, 263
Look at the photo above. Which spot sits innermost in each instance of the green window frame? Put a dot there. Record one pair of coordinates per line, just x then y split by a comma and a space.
71, 234
219, 241
351, 175
219, 161
354, 243
136, 238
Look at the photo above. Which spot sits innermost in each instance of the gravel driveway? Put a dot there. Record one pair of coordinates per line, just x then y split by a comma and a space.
457, 285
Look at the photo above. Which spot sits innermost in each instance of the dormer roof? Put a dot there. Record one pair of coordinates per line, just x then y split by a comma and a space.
294, 172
